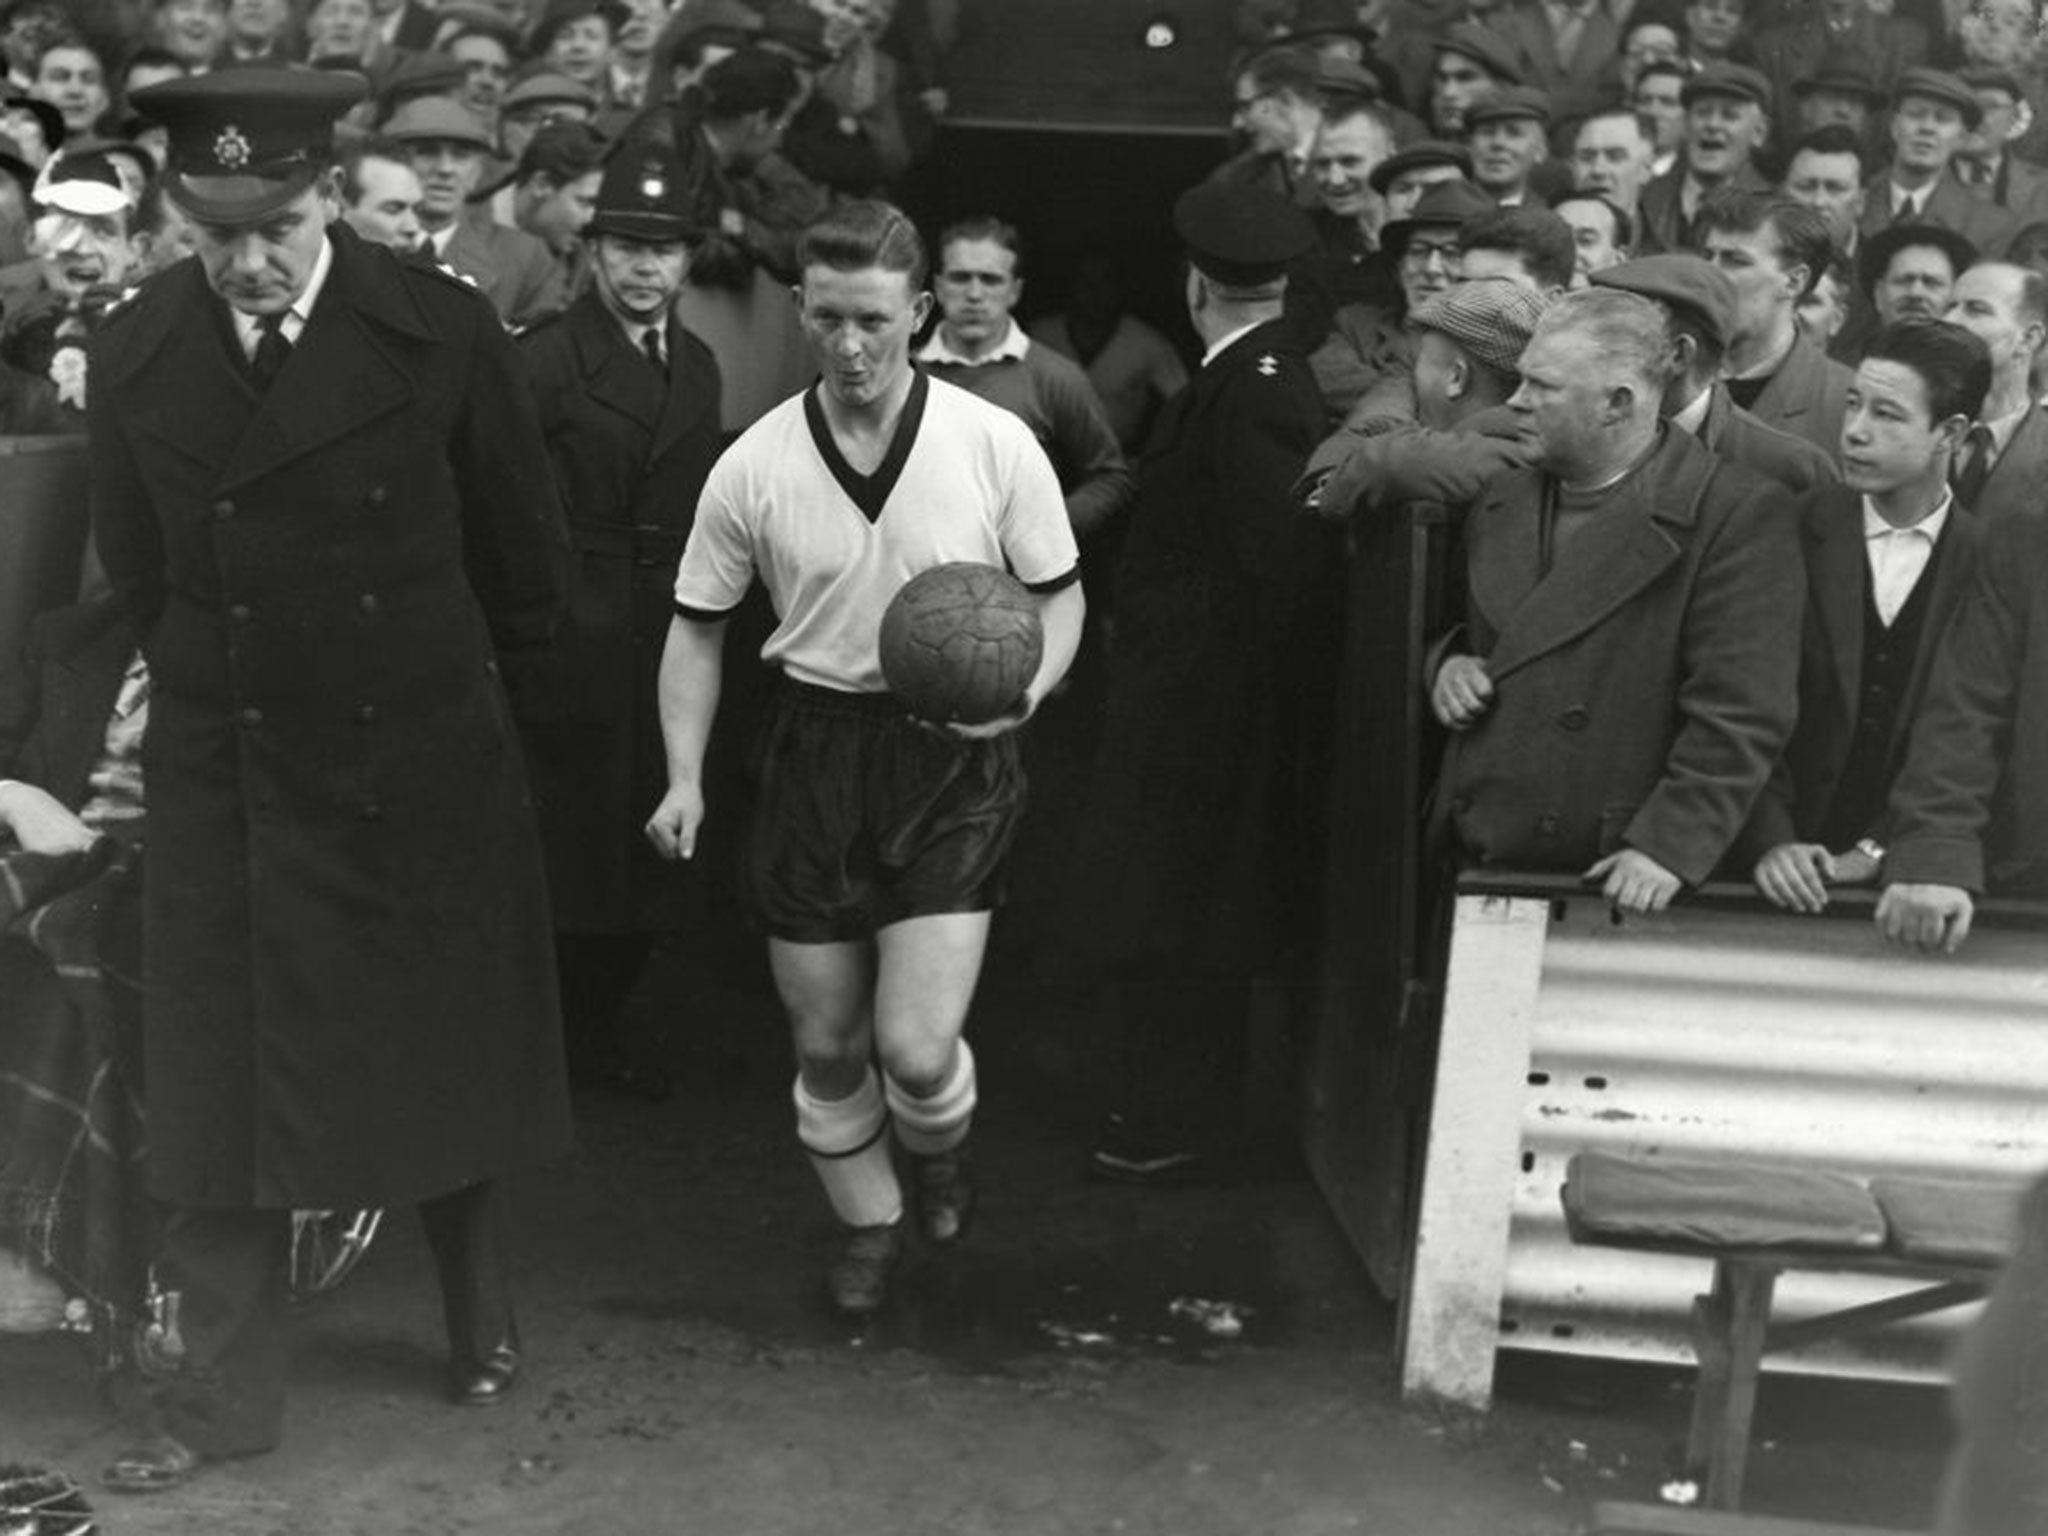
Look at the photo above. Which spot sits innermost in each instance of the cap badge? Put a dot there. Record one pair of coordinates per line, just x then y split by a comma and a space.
1268, 365
652, 186
231, 148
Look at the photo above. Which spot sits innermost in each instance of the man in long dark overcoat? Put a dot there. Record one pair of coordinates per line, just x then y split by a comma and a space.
1189, 882
318, 475
629, 402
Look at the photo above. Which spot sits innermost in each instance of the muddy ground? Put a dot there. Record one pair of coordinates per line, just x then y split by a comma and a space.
685, 1374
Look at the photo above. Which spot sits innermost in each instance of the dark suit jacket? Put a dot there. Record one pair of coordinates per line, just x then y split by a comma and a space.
56, 696
1967, 807
1795, 49
1807, 396
1951, 205
1740, 438
2020, 188
1645, 686
1794, 807
1660, 226
630, 457
2018, 482
516, 272
1575, 88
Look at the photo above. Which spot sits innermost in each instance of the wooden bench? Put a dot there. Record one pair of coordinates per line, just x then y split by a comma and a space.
1755, 1223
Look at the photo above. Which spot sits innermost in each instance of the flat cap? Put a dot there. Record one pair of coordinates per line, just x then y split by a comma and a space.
1346, 78
1509, 103
429, 72
1484, 47
557, 14
548, 88
644, 195
1491, 317
473, 18
1415, 157
1446, 203
1877, 251
1992, 77
438, 118
1689, 283
245, 142
1845, 74
796, 29
1241, 235
1938, 85
1737, 80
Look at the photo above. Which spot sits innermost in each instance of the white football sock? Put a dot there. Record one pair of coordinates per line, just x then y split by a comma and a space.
939, 1123
849, 1146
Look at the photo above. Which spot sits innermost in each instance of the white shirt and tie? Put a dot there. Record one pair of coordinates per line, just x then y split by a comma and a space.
249, 328
650, 340
1898, 556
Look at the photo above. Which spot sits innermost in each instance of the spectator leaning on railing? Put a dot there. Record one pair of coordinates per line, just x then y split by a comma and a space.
1626, 675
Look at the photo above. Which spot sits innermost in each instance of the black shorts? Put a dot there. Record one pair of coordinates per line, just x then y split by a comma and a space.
867, 817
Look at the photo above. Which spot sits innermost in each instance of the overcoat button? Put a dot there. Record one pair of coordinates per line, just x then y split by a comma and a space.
370, 810
1575, 718
367, 603
366, 714
223, 510
239, 612
1547, 823
378, 496
252, 717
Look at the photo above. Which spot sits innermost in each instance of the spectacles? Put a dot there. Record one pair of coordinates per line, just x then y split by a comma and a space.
1421, 252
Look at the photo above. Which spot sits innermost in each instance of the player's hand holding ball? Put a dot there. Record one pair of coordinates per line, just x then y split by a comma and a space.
960, 646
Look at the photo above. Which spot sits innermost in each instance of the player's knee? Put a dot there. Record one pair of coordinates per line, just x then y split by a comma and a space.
920, 1068
833, 1072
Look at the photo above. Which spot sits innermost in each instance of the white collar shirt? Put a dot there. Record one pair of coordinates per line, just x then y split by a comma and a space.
1898, 556
1012, 347
247, 327
1223, 343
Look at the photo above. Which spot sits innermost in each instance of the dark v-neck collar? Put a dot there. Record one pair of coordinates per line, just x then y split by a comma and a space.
869, 492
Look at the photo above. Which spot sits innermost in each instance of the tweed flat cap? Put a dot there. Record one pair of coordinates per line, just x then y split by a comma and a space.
1490, 317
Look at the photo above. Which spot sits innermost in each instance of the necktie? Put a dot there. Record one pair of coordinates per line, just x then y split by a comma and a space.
271, 349
1973, 466
650, 343
1905, 212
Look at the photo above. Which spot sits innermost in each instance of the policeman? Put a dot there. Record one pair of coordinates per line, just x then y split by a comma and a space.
318, 476
1217, 698
629, 402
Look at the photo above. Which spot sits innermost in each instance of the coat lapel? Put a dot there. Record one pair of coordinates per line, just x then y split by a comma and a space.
686, 401
206, 400
469, 252
347, 368
1619, 552
2020, 468
615, 375
1835, 561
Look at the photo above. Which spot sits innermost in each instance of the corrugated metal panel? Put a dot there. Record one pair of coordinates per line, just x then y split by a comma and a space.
1735, 1034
